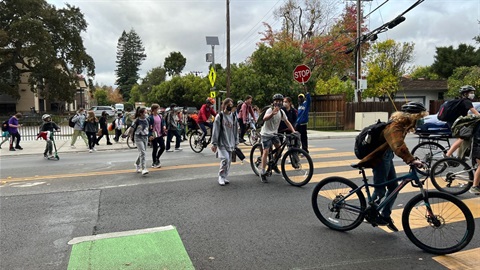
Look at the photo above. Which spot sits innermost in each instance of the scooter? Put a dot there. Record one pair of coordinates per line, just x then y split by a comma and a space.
48, 136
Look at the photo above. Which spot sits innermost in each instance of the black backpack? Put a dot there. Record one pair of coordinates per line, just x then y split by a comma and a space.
5, 125
449, 112
70, 122
369, 139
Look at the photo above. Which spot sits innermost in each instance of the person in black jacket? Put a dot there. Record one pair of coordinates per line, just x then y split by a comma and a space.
50, 126
104, 127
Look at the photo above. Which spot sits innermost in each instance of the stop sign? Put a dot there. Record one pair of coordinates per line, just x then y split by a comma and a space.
302, 73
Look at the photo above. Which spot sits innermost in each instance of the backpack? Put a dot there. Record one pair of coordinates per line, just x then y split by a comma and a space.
5, 125
448, 112
369, 139
70, 122
260, 121
464, 126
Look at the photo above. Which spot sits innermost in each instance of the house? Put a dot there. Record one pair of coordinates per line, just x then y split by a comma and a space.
30, 102
421, 90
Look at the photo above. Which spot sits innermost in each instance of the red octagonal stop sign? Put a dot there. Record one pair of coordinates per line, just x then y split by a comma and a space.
302, 73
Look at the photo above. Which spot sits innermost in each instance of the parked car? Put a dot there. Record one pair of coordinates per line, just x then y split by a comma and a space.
99, 109
430, 125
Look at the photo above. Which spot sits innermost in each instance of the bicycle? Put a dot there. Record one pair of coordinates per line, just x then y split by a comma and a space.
196, 142
296, 164
429, 149
253, 136
436, 222
452, 175
129, 139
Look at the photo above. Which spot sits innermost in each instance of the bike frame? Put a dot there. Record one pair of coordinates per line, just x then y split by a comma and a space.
411, 177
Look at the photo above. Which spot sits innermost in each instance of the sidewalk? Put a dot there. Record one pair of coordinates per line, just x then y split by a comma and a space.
37, 147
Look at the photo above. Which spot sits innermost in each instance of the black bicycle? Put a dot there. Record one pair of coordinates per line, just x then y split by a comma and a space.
196, 142
436, 222
296, 164
452, 175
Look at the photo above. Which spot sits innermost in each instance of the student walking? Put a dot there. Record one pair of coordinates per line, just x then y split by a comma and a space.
118, 127
225, 139
13, 126
171, 124
140, 127
79, 120
304, 102
91, 129
157, 132
104, 128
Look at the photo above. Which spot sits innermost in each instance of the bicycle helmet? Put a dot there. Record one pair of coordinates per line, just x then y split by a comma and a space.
239, 102
210, 101
278, 97
465, 89
413, 107
45, 116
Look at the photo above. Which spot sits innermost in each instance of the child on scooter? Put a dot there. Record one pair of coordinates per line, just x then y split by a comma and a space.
46, 129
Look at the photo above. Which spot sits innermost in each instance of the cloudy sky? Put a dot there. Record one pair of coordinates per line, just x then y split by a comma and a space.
182, 25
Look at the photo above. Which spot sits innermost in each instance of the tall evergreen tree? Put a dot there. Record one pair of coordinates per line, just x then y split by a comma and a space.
130, 54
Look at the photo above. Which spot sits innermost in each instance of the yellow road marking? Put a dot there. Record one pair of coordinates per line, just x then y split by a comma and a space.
462, 260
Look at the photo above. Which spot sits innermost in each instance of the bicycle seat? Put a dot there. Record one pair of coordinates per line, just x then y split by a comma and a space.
357, 166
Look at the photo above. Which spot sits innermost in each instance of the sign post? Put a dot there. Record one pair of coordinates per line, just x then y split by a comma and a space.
302, 74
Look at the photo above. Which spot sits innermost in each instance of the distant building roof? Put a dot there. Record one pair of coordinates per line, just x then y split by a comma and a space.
420, 84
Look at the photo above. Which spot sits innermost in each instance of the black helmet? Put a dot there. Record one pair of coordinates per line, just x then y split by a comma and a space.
465, 89
413, 107
277, 97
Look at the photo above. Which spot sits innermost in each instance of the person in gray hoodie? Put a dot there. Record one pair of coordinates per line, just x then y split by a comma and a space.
225, 139
79, 120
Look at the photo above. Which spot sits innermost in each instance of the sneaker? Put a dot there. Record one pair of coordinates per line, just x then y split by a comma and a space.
109, 143
90, 151
45, 155
169, 150
72, 146
221, 181
178, 149
137, 168
226, 181
241, 140
263, 177
390, 225
157, 165
144, 171
475, 190
154, 164
18, 147
51, 157
12, 149
276, 170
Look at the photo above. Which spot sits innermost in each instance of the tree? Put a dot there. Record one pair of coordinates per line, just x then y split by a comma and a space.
424, 73
44, 43
130, 54
387, 62
101, 96
335, 85
448, 58
464, 76
174, 63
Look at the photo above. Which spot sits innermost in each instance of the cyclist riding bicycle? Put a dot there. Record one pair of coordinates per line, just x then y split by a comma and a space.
381, 159
204, 114
272, 118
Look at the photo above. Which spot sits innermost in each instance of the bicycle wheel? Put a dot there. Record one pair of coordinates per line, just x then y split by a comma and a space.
428, 152
130, 143
248, 141
256, 158
451, 175
196, 141
441, 224
332, 210
253, 137
297, 167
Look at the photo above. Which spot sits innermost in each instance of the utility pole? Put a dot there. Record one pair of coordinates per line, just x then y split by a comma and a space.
228, 49
358, 55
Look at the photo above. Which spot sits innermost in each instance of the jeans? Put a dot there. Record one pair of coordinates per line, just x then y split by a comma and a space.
141, 143
158, 145
170, 134
204, 129
382, 173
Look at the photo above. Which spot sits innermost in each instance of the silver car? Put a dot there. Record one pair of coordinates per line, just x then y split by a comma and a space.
99, 109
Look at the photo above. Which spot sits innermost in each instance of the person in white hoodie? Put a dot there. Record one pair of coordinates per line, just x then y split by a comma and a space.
225, 139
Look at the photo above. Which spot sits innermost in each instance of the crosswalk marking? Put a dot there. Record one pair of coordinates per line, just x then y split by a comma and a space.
462, 260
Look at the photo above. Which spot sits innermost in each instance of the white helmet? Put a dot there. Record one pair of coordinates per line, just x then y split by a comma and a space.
45, 116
